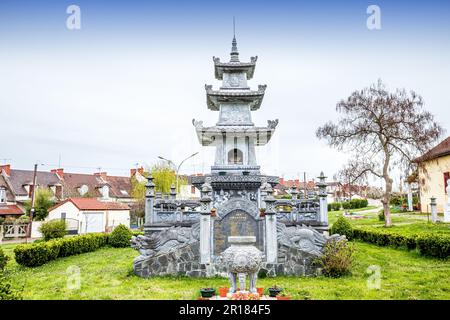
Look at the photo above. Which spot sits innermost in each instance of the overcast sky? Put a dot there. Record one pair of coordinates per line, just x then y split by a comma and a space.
124, 88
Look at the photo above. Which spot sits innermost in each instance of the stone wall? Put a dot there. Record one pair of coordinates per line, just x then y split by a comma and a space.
184, 260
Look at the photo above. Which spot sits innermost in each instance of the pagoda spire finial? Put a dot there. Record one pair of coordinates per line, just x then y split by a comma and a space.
234, 51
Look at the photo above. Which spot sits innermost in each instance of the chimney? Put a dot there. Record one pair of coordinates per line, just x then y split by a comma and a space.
101, 175
59, 172
6, 168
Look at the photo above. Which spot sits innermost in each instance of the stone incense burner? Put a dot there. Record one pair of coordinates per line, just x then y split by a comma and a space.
242, 258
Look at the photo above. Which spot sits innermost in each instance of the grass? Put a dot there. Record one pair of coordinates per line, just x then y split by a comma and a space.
402, 222
107, 274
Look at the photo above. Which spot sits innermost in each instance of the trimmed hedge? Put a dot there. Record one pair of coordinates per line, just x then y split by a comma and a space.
428, 244
352, 204
3, 260
384, 238
434, 245
37, 254
33, 255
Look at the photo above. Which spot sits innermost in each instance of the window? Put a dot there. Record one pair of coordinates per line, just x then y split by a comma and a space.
446, 177
63, 216
235, 156
83, 189
2, 195
105, 192
192, 189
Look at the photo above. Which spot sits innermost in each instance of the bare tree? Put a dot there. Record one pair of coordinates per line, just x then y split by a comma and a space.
381, 129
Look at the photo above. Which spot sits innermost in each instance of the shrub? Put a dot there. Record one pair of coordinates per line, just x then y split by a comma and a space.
2, 220
7, 292
342, 227
3, 260
381, 215
120, 237
337, 259
434, 245
23, 219
53, 229
334, 206
36, 254
346, 205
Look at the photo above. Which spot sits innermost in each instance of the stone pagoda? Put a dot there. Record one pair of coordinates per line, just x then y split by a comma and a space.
235, 176
189, 237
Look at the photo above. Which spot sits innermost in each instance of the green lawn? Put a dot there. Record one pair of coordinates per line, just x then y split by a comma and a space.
107, 274
403, 222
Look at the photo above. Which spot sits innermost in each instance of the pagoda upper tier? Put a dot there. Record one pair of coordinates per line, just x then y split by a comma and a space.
235, 136
234, 89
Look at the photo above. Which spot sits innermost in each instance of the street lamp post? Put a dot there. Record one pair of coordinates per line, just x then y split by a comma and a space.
177, 167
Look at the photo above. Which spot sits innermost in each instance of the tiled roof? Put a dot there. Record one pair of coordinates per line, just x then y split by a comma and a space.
4, 184
73, 181
442, 149
93, 204
19, 178
10, 209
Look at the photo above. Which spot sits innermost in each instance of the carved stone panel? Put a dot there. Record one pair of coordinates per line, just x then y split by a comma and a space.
236, 223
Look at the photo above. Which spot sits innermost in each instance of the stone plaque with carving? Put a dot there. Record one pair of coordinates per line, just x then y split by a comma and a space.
236, 223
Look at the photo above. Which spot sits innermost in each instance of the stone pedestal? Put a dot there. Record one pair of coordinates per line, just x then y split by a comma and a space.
205, 238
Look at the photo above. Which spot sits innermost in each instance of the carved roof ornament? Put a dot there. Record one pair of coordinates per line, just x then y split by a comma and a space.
197, 124
272, 124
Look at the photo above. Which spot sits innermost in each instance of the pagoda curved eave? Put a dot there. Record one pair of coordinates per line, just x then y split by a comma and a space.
208, 135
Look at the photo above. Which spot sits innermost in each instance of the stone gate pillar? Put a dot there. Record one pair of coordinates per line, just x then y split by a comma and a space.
447, 205
410, 198
205, 223
149, 202
323, 199
433, 206
271, 225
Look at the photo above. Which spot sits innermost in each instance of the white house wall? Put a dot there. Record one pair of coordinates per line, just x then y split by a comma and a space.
111, 218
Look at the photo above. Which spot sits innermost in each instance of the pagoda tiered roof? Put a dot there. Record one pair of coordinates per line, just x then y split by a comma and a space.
253, 97
221, 67
262, 135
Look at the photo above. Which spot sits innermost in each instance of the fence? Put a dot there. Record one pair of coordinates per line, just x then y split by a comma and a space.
14, 230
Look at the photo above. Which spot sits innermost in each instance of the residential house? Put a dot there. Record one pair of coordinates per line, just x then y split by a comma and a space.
284, 186
189, 191
434, 172
16, 186
86, 215
98, 185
